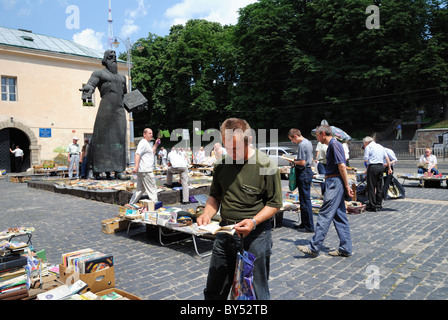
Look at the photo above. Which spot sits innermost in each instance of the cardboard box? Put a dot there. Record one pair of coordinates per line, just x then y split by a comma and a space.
96, 281
162, 218
122, 209
294, 197
120, 292
114, 225
48, 164
151, 216
151, 205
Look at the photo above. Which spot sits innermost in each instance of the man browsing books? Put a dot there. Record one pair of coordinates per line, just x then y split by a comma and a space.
304, 175
246, 187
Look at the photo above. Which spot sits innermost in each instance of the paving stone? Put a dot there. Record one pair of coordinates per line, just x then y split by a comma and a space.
411, 257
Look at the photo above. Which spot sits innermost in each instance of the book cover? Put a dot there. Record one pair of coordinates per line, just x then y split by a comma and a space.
12, 282
78, 262
65, 256
16, 294
83, 260
99, 263
112, 296
56, 294
13, 264
9, 257
12, 273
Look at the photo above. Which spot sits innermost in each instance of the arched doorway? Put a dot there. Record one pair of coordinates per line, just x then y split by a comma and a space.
9, 139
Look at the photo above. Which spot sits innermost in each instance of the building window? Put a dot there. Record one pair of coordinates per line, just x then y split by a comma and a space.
89, 102
9, 89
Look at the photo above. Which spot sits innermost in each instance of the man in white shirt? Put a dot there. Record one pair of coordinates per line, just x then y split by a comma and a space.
374, 156
18, 157
428, 163
163, 154
178, 164
392, 158
144, 163
200, 156
74, 151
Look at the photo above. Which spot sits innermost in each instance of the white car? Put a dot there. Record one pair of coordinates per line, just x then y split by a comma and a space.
277, 152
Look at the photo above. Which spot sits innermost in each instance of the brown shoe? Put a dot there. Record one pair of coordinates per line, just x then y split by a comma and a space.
307, 250
337, 253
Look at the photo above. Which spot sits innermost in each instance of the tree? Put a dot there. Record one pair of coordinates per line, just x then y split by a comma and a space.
290, 63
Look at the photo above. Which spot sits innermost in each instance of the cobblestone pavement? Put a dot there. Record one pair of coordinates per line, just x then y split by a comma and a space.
400, 253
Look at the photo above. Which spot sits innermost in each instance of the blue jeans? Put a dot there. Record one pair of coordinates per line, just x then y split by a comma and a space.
333, 210
223, 260
304, 186
322, 171
84, 168
433, 171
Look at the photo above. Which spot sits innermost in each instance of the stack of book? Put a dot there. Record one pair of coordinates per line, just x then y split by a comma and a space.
13, 277
87, 261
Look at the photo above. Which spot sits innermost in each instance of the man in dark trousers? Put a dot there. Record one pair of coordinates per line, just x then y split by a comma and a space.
18, 158
333, 208
304, 175
374, 156
246, 188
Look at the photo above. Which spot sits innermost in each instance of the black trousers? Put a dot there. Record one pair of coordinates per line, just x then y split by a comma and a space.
374, 180
18, 163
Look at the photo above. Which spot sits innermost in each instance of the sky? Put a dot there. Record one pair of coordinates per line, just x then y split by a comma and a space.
86, 21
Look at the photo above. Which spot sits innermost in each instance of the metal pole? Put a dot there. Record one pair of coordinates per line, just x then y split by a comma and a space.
131, 119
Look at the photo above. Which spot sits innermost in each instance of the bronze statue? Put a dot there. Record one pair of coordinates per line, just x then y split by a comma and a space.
107, 151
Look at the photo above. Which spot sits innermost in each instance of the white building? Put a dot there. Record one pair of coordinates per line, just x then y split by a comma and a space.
40, 104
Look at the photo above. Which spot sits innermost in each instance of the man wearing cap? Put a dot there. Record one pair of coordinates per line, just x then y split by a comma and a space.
73, 157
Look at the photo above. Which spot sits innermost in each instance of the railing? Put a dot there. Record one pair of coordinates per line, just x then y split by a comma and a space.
438, 152
402, 152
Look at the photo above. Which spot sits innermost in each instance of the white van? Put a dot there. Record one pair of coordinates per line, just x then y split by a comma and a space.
277, 152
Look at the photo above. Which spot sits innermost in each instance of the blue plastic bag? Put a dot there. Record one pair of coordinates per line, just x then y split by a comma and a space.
243, 288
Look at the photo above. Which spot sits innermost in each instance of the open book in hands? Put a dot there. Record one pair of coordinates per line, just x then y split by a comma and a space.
214, 228
288, 157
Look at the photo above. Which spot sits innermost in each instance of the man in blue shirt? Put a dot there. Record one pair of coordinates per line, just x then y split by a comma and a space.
333, 208
304, 175
374, 156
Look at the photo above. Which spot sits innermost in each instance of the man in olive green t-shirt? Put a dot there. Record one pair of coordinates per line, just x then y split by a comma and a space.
246, 187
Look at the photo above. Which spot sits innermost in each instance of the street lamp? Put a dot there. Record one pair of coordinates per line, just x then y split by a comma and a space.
140, 48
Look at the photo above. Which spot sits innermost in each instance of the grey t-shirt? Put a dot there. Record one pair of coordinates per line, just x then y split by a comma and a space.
305, 152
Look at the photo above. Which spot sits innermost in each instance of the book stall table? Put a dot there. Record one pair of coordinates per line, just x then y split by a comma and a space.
192, 230
201, 168
11, 233
425, 181
61, 172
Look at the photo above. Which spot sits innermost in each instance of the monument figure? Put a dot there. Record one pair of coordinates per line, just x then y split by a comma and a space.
107, 151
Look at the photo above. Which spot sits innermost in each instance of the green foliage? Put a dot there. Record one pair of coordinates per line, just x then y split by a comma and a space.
291, 63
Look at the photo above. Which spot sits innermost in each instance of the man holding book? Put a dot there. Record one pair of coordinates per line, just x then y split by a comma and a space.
304, 175
246, 187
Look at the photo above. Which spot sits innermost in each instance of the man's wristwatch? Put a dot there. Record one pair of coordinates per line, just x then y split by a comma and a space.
255, 224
